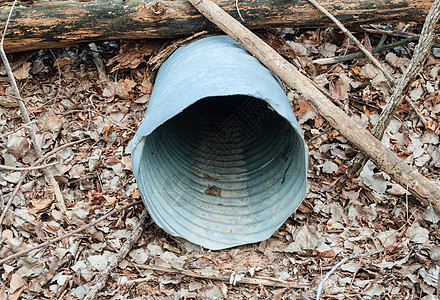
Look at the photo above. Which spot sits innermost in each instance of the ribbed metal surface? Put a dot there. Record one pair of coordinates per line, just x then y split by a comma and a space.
219, 158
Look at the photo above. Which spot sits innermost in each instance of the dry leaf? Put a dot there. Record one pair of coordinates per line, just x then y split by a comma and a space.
39, 230
127, 84
40, 204
17, 145
8, 101
329, 167
62, 62
276, 41
7, 234
113, 160
340, 89
22, 72
214, 191
98, 262
133, 54
110, 200
396, 61
146, 86
16, 295
3, 293
53, 123
327, 50
326, 254
144, 99
17, 282
207, 176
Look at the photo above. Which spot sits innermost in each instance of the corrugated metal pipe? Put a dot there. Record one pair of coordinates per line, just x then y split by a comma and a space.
219, 159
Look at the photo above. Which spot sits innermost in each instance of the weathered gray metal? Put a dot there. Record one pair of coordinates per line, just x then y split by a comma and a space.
220, 159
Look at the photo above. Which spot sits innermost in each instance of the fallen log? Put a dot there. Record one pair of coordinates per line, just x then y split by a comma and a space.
407, 176
61, 24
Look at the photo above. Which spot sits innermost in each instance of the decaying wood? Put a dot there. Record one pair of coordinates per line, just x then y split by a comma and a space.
416, 64
60, 24
427, 191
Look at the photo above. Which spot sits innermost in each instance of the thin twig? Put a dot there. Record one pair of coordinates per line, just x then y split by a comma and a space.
31, 222
2, 200
101, 115
382, 39
327, 276
17, 129
49, 242
10, 96
32, 129
225, 278
335, 267
416, 64
23, 176
43, 134
351, 56
353, 38
398, 33
114, 122
27, 168
238, 10
97, 60
417, 111
116, 259
354, 275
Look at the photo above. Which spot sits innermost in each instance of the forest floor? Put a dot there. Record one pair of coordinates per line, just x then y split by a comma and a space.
394, 240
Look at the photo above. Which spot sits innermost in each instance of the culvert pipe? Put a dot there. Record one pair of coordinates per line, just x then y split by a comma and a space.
219, 159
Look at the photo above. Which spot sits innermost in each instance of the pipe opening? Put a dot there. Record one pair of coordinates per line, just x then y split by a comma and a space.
225, 165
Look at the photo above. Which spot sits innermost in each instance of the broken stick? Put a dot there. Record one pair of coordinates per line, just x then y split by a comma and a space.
425, 190
50, 24
417, 62
115, 260
256, 280
353, 38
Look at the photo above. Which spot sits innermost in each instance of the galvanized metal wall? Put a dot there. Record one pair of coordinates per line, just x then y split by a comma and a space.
219, 159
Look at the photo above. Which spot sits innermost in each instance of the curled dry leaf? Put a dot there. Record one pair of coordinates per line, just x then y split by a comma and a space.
52, 123
22, 72
326, 254
40, 204
17, 145
62, 62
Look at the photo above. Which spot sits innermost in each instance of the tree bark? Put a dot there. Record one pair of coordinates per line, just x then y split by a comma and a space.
60, 24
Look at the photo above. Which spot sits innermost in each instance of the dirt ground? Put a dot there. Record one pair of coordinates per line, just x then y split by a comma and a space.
390, 243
